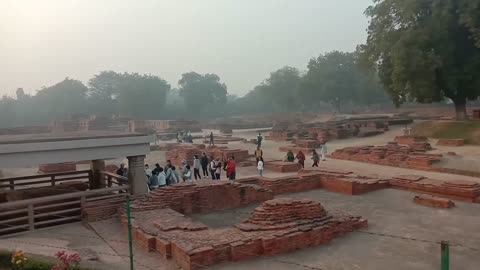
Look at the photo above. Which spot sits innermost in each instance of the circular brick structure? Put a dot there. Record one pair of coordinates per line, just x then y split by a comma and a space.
283, 213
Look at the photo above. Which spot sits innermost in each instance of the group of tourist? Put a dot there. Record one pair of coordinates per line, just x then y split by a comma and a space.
185, 136
160, 177
300, 157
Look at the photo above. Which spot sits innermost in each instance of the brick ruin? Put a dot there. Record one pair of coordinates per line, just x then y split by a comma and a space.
306, 146
277, 226
432, 201
322, 132
454, 189
451, 142
392, 154
282, 166
202, 197
181, 152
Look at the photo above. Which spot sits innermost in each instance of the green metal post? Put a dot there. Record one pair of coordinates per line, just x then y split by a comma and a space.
130, 242
445, 255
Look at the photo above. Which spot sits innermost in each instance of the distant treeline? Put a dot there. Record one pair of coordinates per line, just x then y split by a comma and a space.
333, 81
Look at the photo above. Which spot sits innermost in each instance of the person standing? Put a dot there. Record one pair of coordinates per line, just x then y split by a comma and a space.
301, 158
196, 167
290, 156
175, 176
204, 162
323, 150
169, 174
188, 174
231, 169
218, 168
260, 166
259, 140
122, 171
148, 171
162, 178
316, 158
213, 168
258, 153
211, 139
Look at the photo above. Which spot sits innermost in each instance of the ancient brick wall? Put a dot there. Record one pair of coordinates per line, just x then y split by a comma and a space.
276, 227
433, 201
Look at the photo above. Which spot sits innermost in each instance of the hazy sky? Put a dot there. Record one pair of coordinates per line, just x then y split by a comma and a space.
44, 41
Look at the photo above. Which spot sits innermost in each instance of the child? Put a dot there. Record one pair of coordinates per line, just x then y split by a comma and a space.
260, 166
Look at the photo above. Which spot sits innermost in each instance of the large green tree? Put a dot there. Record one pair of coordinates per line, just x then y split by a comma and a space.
202, 93
281, 89
133, 94
426, 50
62, 100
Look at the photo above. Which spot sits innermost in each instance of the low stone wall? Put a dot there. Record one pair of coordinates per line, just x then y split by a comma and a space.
282, 166
455, 189
432, 201
391, 154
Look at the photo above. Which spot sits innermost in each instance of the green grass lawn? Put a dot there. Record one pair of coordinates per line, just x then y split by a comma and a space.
468, 130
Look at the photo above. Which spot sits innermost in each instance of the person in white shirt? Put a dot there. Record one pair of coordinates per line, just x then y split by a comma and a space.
148, 171
213, 168
260, 166
188, 174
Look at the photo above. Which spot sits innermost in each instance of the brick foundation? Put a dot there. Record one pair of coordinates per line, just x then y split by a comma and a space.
391, 154
451, 142
202, 196
276, 227
282, 166
181, 152
433, 201
454, 189
295, 149
410, 139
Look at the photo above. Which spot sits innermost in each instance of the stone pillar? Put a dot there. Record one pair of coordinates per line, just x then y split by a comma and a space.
97, 180
136, 175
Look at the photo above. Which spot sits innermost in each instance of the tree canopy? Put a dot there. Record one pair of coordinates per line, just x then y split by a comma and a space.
202, 91
426, 50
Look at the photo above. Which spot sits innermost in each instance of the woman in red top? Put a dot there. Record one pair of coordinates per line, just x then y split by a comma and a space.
301, 158
231, 169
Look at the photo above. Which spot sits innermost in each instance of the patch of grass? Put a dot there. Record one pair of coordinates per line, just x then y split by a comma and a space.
468, 130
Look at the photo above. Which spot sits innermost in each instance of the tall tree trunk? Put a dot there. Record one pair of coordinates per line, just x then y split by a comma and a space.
460, 109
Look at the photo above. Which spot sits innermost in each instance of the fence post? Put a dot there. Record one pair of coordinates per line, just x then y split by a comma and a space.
445, 259
31, 217
53, 180
130, 244
12, 185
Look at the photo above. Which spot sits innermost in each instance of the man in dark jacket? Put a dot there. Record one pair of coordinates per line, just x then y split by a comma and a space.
204, 162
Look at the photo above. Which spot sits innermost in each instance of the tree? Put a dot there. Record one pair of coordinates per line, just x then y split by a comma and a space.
103, 90
332, 77
141, 96
202, 92
281, 89
425, 50
64, 99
